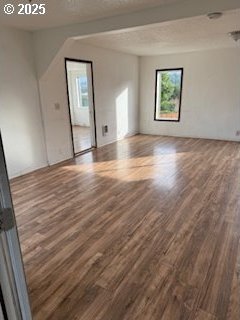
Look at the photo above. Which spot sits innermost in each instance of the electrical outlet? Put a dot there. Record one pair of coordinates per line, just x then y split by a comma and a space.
238, 133
60, 151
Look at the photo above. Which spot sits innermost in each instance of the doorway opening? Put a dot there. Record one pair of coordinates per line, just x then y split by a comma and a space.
80, 90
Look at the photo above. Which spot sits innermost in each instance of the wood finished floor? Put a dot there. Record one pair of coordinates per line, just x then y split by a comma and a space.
146, 228
81, 138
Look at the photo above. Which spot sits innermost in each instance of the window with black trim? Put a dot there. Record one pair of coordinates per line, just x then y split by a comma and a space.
82, 91
168, 94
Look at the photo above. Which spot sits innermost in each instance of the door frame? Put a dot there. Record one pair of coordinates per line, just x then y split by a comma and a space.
12, 273
93, 102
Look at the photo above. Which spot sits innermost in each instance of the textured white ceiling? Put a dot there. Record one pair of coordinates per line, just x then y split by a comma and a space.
193, 34
65, 12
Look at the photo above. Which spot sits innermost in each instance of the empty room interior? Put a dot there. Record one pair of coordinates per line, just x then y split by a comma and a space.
120, 125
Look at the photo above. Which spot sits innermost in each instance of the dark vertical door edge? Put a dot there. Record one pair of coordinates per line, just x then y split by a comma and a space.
4, 311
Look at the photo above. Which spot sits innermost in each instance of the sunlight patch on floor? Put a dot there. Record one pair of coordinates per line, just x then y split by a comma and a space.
160, 168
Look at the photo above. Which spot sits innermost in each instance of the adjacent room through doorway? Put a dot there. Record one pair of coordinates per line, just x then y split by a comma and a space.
81, 104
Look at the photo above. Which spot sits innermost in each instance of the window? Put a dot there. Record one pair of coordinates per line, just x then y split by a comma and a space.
168, 94
82, 90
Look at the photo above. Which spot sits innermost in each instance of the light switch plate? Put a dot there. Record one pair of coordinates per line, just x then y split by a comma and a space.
57, 106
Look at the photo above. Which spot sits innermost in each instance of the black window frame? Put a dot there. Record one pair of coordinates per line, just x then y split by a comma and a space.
180, 98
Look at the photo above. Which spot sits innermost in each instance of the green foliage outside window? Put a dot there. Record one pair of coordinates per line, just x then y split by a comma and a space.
170, 91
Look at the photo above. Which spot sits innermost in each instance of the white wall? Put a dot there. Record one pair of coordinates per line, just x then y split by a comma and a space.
116, 97
20, 116
211, 94
211, 87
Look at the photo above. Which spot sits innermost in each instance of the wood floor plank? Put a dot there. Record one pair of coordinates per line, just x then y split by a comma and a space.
147, 228
201, 315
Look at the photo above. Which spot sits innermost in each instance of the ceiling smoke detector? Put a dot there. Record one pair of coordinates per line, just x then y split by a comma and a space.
214, 15
235, 35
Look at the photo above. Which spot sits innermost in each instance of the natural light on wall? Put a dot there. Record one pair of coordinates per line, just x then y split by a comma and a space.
122, 114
